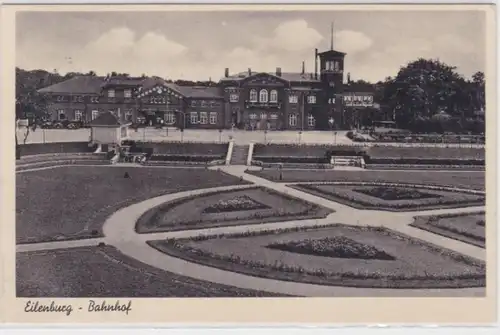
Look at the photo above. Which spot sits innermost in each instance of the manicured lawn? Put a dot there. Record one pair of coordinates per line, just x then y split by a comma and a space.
406, 263
73, 202
370, 197
255, 205
472, 180
104, 272
468, 227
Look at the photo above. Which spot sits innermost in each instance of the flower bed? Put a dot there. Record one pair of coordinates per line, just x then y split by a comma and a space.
191, 212
394, 193
465, 227
442, 197
185, 148
468, 180
185, 158
425, 161
240, 203
292, 159
336, 246
417, 264
424, 167
418, 153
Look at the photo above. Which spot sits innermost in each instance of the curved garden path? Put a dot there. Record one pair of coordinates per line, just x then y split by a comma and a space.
119, 231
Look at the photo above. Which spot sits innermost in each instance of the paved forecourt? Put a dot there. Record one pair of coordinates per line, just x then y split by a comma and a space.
198, 135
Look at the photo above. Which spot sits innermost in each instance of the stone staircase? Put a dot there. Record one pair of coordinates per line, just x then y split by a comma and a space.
239, 155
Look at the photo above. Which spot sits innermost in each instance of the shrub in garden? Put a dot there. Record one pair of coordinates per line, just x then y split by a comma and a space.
240, 203
394, 193
337, 246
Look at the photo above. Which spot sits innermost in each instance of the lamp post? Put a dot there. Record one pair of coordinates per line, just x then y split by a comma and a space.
331, 122
265, 136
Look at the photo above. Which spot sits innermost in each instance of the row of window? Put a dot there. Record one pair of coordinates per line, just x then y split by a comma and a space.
332, 65
203, 118
263, 96
126, 93
195, 117
294, 99
204, 103
77, 98
78, 115
292, 118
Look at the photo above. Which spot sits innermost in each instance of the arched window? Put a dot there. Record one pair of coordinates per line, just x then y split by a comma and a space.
292, 120
263, 96
253, 95
273, 96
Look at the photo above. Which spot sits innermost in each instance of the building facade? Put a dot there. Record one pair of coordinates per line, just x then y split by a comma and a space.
248, 100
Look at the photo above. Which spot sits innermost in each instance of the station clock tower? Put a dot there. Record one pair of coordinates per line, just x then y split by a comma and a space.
332, 79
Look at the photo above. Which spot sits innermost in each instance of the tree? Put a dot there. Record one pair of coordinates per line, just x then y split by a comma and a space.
423, 88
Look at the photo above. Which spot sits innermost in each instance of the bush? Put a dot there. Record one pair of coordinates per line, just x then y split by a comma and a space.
184, 158
292, 159
56, 147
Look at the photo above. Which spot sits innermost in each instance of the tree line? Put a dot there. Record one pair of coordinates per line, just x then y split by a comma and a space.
425, 95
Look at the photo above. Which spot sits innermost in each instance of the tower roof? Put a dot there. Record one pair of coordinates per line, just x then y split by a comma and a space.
331, 53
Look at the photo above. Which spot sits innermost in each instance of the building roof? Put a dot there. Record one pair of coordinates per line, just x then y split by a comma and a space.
94, 85
107, 119
186, 91
200, 92
76, 85
123, 81
288, 76
331, 53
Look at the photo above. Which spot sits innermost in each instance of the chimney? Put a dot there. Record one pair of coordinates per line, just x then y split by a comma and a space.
316, 64
226, 72
249, 71
303, 67
278, 72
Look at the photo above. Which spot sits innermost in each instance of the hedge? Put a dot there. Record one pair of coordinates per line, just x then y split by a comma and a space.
56, 147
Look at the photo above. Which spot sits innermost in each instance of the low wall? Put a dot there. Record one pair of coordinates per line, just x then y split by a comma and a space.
54, 148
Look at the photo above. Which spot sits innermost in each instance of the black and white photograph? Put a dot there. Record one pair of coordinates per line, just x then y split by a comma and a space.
250, 154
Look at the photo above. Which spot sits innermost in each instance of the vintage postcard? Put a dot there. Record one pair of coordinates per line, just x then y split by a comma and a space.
196, 164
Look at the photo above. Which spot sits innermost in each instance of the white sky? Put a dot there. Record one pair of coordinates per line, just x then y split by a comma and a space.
196, 46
